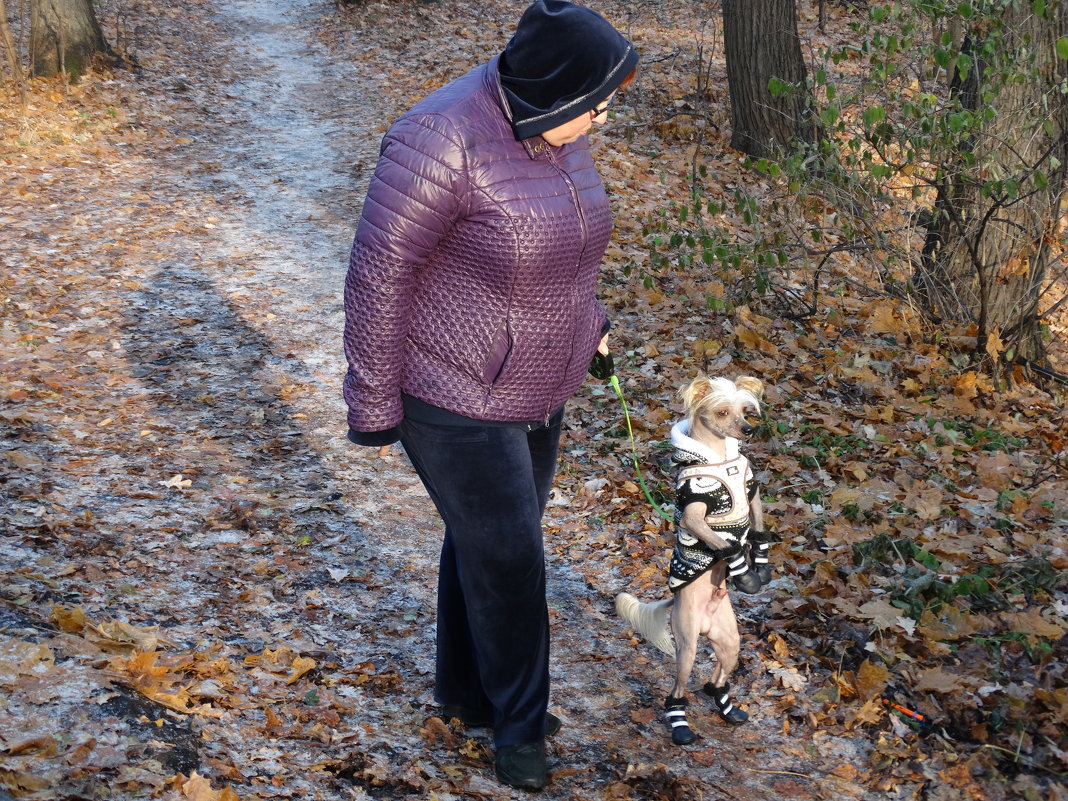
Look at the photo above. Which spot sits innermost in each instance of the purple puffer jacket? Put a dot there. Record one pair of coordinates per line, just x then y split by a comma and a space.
471, 283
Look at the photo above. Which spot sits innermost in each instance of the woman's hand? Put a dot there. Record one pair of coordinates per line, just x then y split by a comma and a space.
383, 452
603, 347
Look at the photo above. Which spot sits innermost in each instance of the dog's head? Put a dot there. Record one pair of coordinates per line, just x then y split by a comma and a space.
718, 407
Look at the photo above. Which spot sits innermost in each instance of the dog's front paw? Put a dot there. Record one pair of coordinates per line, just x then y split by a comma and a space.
748, 582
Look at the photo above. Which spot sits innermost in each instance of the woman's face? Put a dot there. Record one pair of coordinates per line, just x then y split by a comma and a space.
578, 127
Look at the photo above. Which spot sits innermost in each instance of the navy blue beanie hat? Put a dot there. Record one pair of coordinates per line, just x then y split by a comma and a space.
563, 61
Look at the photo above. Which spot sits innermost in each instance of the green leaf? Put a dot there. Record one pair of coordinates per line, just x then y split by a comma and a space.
964, 64
778, 87
1062, 47
1041, 181
927, 559
874, 115
959, 121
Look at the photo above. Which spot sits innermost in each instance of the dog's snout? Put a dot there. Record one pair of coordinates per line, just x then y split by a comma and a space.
747, 428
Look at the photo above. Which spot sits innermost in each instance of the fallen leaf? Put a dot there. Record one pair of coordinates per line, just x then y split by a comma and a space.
1032, 622
872, 679
176, 482
786, 675
300, 666
938, 680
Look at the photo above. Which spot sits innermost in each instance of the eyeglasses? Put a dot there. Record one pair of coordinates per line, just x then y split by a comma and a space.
599, 111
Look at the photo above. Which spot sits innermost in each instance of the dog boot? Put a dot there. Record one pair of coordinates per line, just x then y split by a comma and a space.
722, 701
741, 576
649, 620
675, 712
760, 545
760, 565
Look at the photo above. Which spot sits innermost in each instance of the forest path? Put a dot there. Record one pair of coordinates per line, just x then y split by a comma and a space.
294, 146
199, 480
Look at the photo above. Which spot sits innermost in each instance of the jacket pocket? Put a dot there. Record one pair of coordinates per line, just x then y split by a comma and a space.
500, 350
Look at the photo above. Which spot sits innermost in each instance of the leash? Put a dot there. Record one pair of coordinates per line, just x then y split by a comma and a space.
604, 368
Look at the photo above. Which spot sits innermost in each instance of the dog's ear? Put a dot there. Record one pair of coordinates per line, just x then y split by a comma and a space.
694, 392
754, 385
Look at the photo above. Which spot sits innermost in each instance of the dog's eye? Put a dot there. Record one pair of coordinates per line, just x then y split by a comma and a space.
721, 413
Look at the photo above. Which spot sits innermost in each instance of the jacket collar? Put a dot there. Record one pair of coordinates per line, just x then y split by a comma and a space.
681, 439
535, 146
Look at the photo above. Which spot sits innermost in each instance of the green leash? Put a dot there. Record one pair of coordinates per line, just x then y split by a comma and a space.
613, 379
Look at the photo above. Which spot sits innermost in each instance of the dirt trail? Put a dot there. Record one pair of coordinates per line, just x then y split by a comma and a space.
287, 536
297, 144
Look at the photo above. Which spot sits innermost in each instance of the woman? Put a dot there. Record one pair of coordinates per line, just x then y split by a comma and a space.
471, 317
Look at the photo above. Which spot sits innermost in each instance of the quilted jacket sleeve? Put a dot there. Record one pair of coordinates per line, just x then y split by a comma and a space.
415, 197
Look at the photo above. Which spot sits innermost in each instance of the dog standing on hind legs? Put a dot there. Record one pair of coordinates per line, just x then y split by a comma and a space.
717, 508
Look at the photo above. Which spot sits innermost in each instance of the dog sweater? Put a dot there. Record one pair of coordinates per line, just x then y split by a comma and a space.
725, 487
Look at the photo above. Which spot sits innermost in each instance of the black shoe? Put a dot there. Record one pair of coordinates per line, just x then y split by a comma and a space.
748, 582
523, 766
552, 724
473, 719
758, 558
722, 701
760, 547
675, 712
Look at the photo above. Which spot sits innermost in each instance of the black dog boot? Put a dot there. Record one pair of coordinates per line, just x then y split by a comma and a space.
741, 576
761, 566
760, 545
675, 712
748, 582
722, 701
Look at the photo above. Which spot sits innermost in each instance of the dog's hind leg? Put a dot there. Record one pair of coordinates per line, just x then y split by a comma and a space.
721, 698
648, 619
688, 617
726, 642
675, 712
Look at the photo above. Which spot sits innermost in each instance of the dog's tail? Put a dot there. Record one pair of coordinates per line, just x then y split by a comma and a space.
649, 620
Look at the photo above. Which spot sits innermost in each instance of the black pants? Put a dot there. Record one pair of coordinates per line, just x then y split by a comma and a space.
490, 485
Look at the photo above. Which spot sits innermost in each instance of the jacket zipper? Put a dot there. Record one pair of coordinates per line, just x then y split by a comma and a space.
585, 241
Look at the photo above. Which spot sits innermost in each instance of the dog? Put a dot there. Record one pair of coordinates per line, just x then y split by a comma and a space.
718, 518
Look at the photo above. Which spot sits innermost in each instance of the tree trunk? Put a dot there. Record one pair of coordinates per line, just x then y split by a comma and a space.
12, 55
64, 37
987, 252
761, 43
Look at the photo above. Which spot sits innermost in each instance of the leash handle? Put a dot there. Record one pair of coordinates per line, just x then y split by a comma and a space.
614, 381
